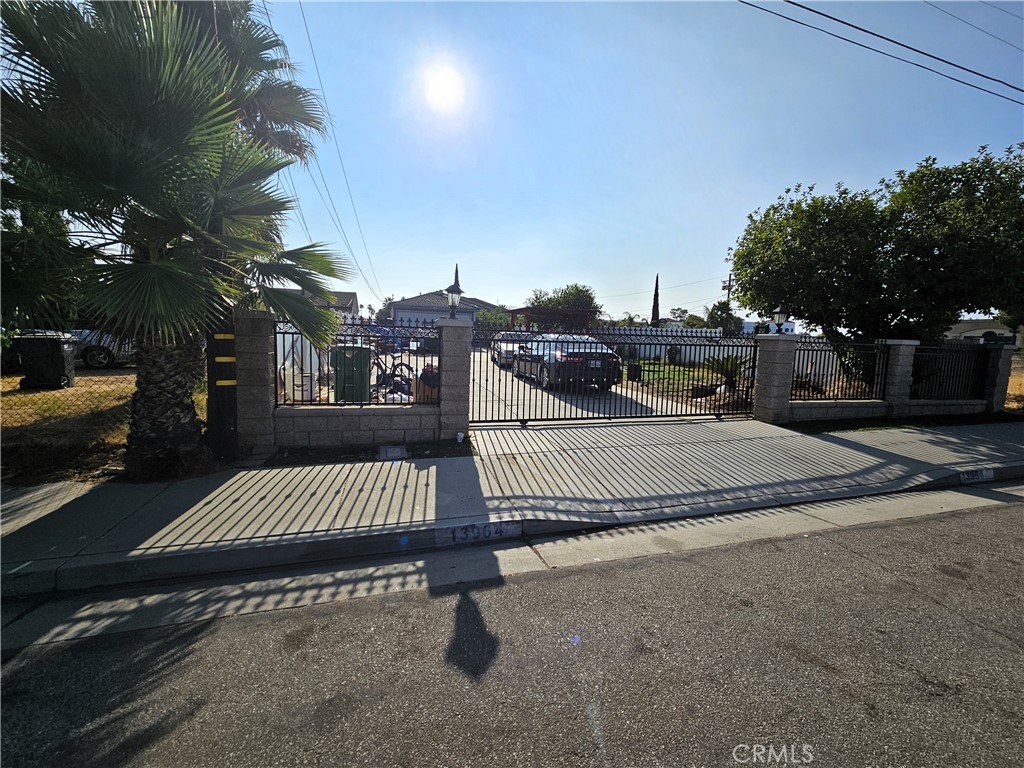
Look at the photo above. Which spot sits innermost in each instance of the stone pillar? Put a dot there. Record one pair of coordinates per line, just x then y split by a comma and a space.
997, 378
899, 375
773, 378
456, 349
254, 353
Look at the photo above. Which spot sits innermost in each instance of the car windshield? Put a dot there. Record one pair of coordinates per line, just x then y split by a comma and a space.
512, 336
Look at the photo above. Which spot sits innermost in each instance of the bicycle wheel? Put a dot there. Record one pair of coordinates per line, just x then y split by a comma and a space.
403, 371
378, 374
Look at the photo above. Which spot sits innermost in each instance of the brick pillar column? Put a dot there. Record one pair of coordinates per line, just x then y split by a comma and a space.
254, 353
997, 378
773, 378
456, 348
899, 375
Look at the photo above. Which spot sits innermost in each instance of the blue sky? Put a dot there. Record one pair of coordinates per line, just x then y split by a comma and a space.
604, 143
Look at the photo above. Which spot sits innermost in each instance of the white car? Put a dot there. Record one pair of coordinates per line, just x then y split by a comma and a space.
504, 346
99, 349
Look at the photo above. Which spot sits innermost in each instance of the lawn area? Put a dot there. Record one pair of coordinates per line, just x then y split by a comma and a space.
57, 434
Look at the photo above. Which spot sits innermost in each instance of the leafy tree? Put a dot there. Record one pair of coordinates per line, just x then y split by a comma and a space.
383, 315
655, 311
172, 181
901, 261
719, 315
572, 297
679, 314
694, 321
498, 317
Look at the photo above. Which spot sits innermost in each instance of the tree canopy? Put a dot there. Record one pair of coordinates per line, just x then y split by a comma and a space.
572, 297
904, 260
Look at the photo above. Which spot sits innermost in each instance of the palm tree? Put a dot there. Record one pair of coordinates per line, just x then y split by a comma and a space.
274, 110
129, 109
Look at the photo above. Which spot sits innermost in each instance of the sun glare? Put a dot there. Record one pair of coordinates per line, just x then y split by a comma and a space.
444, 88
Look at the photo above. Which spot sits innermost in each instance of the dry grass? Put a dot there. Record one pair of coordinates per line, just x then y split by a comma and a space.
1015, 392
72, 433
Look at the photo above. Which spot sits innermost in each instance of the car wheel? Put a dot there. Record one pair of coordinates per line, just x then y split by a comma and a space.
97, 357
545, 378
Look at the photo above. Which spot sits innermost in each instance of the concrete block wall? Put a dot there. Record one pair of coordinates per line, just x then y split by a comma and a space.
354, 426
263, 427
456, 351
254, 366
774, 378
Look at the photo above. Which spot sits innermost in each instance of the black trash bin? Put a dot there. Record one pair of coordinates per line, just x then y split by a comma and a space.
47, 360
634, 372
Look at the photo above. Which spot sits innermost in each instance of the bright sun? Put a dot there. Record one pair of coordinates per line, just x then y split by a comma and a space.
444, 88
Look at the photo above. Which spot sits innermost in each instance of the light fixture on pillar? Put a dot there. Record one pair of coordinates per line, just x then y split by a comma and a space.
780, 316
454, 294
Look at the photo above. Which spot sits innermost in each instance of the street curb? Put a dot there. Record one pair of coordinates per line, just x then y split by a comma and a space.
42, 578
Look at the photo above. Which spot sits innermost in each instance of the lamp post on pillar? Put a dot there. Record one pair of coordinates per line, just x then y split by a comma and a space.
454, 294
780, 316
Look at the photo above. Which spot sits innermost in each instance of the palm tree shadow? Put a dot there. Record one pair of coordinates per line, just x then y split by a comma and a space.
472, 648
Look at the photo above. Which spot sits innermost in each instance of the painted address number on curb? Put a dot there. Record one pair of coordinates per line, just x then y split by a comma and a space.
977, 475
468, 534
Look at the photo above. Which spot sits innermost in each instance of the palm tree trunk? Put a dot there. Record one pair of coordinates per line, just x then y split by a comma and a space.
165, 436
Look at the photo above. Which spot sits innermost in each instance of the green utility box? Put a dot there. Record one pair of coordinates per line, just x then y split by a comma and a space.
351, 366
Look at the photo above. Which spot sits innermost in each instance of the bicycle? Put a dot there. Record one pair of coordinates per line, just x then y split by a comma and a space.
390, 382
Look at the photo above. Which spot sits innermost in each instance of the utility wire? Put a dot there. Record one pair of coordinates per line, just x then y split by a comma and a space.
337, 148
964, 21
332, 211
666, 288
903, 45
876, 50
990, 5
298, 207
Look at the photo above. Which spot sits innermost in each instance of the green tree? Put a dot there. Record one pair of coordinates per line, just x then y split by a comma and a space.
271, 107
694, 321
719, 315
383, 315
171, 180
499, 317
901, 261
679, 314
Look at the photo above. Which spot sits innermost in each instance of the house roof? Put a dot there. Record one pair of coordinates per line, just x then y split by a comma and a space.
344, 301
438, 300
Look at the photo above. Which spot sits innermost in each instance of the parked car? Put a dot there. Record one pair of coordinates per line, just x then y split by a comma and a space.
504, 346
557, 360
99, 349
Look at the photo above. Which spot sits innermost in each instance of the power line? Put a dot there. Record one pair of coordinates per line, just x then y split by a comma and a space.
666, 288
902, 45
332, 211
337, 148
990, 5
876, 50
964, 21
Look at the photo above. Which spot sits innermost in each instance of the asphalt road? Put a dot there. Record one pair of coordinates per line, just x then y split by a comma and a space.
897, 644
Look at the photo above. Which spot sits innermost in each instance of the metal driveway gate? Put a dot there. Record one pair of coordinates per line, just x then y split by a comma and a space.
608, 373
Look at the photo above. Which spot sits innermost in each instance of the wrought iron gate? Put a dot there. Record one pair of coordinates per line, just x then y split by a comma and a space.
609, 373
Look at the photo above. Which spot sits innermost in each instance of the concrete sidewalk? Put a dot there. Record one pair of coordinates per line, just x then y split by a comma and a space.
523, 482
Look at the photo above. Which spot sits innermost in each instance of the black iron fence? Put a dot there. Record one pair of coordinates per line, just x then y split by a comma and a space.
949, 370
823, 370
367, 364
609, 372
